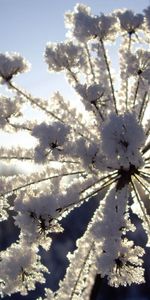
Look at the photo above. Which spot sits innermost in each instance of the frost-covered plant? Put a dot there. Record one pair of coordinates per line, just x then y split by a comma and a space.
79, 153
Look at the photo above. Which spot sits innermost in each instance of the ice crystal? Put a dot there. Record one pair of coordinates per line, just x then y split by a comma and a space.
80, 153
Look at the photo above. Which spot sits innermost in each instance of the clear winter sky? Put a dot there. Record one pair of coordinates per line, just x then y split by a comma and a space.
27, 25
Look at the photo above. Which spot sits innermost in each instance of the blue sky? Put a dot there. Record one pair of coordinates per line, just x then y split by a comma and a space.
27, 25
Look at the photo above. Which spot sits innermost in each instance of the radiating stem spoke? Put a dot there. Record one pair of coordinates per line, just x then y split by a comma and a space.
40, 181
144, 186
143, 107
81, 270
140, 204
109, 75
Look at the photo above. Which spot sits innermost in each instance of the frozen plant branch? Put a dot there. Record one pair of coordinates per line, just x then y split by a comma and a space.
98, 151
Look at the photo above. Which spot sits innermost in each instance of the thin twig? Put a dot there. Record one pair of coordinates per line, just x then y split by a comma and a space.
143, 107
16, 157
99, 180
90, 62
72, 74
106, 184
145, 175
80, 123
34, 101
127, 82
16, 126
146, 148
144, 186
136, 90
81, 270
41, 180
109, 74
140, 204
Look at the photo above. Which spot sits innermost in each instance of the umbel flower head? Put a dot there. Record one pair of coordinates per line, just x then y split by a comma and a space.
10, 65
100, 151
